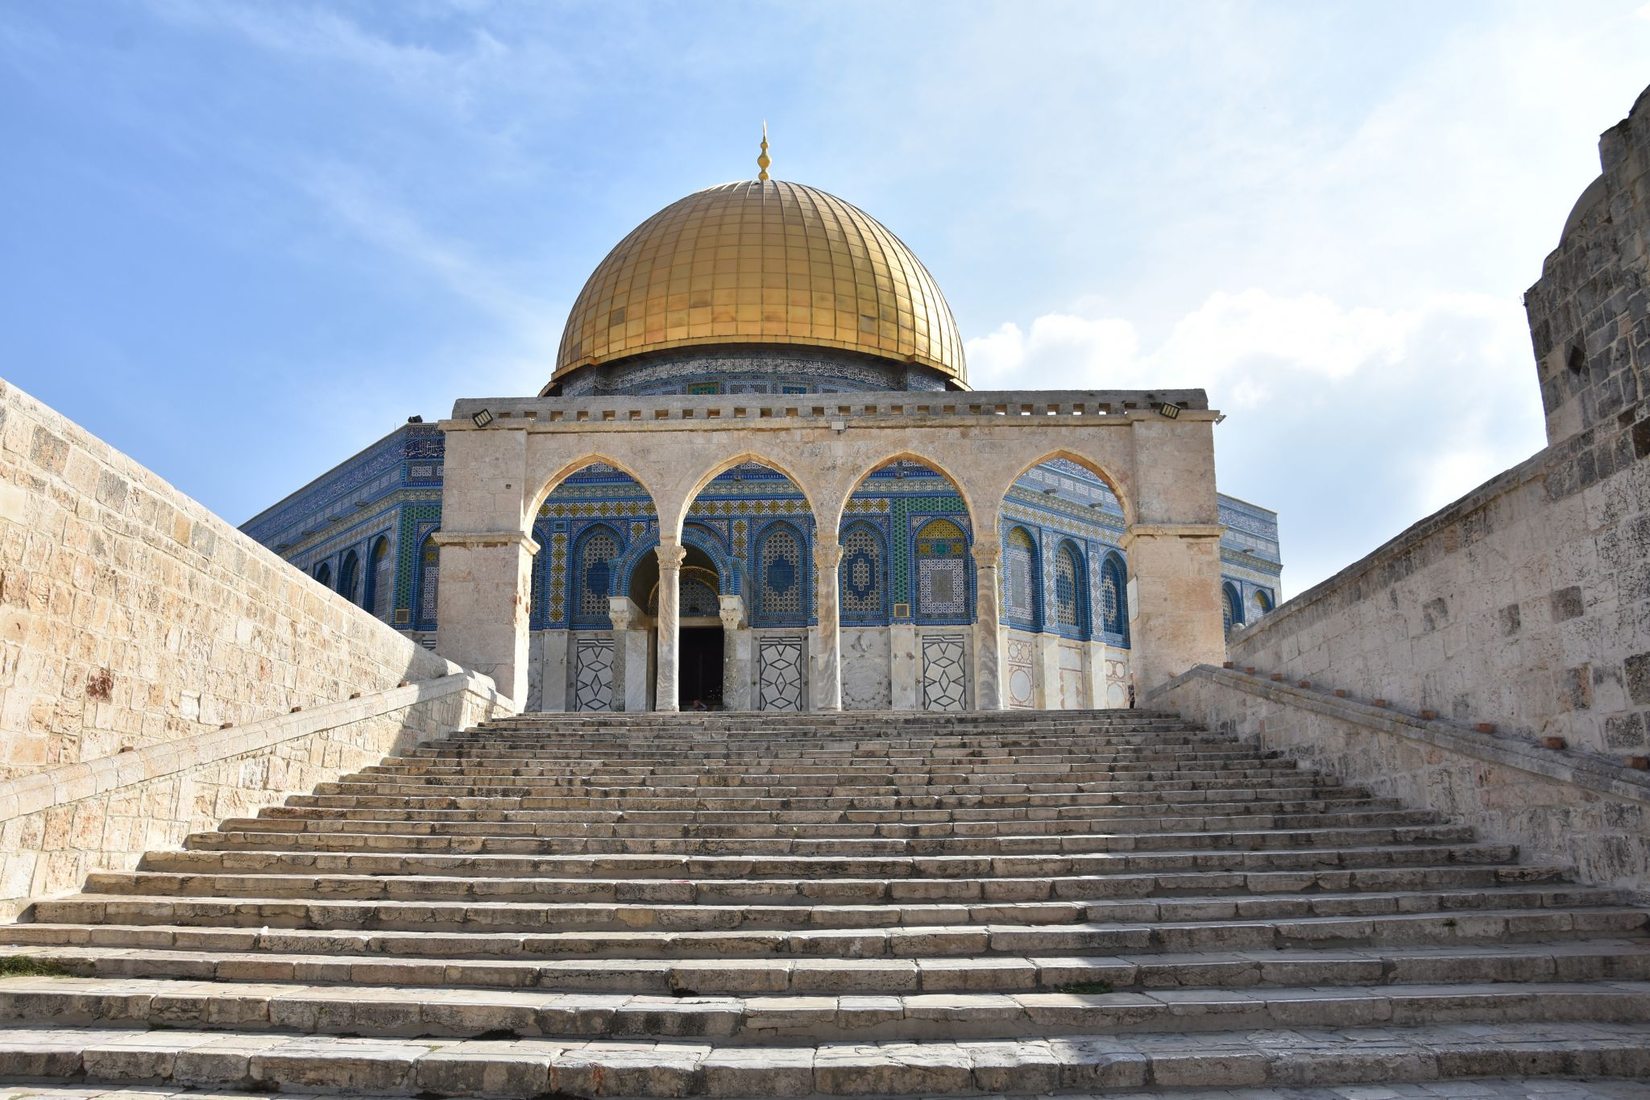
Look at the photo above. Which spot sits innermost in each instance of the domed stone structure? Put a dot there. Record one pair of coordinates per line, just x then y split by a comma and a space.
701, 527
763, 262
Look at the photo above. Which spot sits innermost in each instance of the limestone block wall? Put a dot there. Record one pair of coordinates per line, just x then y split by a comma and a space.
131, 617
1581, 811
1526, 604
59, 824
1590, 312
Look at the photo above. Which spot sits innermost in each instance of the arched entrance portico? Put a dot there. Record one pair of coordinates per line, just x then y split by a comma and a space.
1153, 450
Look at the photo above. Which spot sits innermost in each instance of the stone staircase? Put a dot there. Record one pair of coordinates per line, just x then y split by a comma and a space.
795, 905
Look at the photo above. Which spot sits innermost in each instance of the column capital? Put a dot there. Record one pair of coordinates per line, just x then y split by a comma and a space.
989, 554
827, 555
731, 611
620, 611
671, 554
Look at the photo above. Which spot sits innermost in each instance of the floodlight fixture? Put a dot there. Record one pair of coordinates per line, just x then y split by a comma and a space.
481, 418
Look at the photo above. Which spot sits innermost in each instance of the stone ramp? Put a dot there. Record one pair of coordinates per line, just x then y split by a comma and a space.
801, 905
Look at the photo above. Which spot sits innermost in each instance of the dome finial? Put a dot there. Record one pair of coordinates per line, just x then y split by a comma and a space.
763, 161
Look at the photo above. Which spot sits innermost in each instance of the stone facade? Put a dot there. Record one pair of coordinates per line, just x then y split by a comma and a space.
133, 625
505, 458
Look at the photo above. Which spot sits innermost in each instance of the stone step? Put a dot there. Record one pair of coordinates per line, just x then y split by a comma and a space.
1180, 924
1331, 869
522, 823
558, 839
1188, 797
685, 785
1479, 1088
1392, 883
408, 1012
545, 763
521, 1068
920, 772
843, 851
434, 809
1619, 960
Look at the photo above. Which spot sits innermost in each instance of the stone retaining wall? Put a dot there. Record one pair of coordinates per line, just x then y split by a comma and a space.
160, 671
1523, 603
130, 616
1577, 809
57, 825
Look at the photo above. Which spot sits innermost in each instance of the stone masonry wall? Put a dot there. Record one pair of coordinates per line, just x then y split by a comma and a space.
1590, 315
1571, 808
58, 825
130, 616
1514, 605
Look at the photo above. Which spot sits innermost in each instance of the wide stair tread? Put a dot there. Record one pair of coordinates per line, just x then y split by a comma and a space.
808, 905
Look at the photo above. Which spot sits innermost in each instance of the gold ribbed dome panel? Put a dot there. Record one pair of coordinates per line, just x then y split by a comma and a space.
762, 262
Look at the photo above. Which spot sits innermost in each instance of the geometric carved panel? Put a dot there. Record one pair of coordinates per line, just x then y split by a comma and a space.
1019, 674
592, 673
1071, 676
944, 672
779, 664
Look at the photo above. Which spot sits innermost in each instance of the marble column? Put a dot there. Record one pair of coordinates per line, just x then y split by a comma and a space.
620, 612
826, 652
671, 555
737, 674
988, 633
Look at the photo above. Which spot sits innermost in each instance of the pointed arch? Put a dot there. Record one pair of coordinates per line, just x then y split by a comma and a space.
916, 458
429, 582
862, 575
1071, 590
728, 465
945, 574
568, 469
590, 576
323, 575
1108, 479
379, 589
781, 576
1114, 597
349, 577
1022, 579
1231, 607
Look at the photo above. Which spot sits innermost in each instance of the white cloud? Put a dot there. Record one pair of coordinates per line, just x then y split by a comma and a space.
1351, 421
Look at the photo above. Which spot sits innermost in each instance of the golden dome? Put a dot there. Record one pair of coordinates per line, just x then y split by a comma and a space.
762, 262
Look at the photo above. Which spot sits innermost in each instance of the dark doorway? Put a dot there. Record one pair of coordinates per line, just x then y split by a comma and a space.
699, 676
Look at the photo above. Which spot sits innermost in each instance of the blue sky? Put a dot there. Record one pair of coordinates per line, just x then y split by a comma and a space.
245, 239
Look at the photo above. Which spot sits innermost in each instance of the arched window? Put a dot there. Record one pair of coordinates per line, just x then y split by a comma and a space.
349, 578
592, 575
323, 574
1070, 590
1114, 609
942, 573
862, 578
1022, 603
380, 579
781, 595
1231, 607
429, 580
1262, 601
